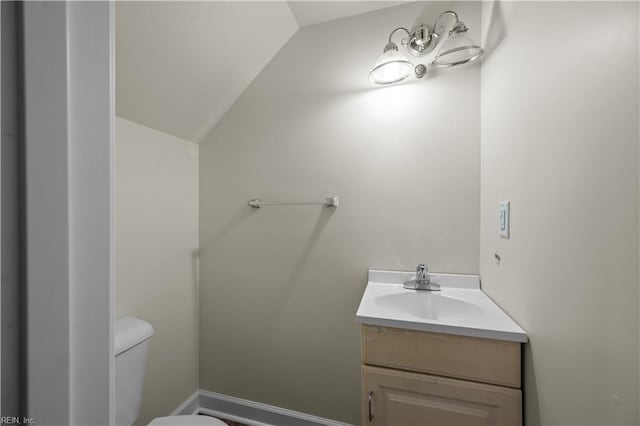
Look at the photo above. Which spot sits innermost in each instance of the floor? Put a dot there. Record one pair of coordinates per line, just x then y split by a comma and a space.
229, 422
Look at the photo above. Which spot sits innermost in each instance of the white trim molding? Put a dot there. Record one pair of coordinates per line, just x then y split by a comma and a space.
248, 412
68, 115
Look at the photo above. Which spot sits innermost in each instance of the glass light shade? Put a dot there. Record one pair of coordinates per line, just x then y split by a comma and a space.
391, 67
457, 49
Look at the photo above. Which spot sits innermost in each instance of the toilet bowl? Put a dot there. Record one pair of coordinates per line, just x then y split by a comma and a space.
131, 338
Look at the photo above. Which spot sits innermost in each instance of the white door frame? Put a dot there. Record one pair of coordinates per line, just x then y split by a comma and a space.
69, 119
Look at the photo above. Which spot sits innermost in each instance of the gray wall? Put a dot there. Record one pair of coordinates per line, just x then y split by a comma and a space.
12, 368
560, 141
280, 286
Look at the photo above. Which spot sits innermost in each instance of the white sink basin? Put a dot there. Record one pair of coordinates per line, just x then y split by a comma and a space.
429, 305
459, 308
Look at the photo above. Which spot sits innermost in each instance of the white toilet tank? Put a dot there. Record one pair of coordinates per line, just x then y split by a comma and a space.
130, 341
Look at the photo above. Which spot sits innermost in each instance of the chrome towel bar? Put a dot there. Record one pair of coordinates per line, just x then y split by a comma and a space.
257, 203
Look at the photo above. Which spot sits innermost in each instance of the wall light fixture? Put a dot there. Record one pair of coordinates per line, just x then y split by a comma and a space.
449, 42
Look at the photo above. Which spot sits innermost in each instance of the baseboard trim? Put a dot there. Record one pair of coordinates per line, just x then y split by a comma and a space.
190, 406
251, 413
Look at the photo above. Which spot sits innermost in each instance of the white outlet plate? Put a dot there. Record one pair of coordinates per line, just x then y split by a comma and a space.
503, 219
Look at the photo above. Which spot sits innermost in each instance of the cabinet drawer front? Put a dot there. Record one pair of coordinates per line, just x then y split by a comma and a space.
400, 398
482, 360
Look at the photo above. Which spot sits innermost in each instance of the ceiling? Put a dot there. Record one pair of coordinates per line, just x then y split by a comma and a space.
181, 65
309, 12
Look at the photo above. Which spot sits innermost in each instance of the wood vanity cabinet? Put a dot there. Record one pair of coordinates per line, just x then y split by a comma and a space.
415, 378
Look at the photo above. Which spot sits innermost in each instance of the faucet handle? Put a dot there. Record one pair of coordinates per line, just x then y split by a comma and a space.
422, 272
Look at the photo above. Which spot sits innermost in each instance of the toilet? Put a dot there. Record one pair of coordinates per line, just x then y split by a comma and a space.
131, 338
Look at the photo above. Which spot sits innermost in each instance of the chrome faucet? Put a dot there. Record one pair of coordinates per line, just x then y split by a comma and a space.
422, 281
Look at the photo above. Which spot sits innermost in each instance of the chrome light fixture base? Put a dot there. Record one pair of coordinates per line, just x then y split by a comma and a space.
422, 42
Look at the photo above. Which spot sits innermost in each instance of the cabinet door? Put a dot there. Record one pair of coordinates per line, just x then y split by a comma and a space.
399, 398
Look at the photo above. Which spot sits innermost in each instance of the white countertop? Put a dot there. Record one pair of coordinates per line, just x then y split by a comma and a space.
460, 307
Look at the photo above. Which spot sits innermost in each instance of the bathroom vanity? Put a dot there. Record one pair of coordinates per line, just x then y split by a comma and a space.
449, 357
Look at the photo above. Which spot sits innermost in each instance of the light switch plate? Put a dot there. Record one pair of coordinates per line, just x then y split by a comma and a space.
503, 219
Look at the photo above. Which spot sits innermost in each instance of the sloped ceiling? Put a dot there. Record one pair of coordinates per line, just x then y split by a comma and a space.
314, 12
180, 65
